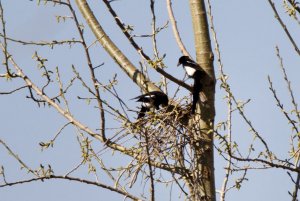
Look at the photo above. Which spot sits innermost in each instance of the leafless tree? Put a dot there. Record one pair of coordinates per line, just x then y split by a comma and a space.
167, 147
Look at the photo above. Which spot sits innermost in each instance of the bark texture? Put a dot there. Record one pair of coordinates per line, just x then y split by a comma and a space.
203, 185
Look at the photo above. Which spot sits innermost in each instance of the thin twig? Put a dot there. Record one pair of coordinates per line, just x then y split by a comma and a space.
140, 50
262, 161
175, 29
11, 92
6, 56
23, 165
152, 189
288, 85
284, 26
154, 41
280, 105
297, 182
70, 118
73, 179
43, 43
92, 72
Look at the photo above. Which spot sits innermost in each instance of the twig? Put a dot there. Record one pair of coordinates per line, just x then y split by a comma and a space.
229, 105
288, 85
73, 179
124, 63
283, 26
280, 105
265, 162
152, 189
43, 43
46, 145
297, 182
6, 56
121, 102
140, 50
92, 72
23, 165
175, 29
154, 42
11, 92
70, 118
74, 169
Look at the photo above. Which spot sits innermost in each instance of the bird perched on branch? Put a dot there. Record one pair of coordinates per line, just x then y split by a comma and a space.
150, 100
194, 71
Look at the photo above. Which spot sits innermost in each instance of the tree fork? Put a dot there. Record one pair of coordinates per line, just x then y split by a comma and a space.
113, 50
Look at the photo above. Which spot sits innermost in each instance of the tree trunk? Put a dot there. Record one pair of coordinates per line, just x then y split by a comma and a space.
202, 186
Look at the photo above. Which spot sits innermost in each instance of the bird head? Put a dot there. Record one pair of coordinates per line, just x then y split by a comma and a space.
182, 60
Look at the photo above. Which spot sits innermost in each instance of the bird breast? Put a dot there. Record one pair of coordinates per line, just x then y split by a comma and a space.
147, 104
190, 71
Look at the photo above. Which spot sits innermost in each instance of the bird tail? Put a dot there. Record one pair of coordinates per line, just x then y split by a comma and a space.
195, 100
135, 98
142, 112
198, 93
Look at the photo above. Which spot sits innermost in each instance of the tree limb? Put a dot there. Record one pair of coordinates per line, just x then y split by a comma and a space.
113, 50
140, 50
71, 119
175, 29
73, 179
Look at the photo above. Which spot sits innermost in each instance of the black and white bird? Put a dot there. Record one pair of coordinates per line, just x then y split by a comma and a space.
150, 100
194, 71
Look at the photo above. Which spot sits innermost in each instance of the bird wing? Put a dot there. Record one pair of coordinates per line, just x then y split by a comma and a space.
192, 64
148, 97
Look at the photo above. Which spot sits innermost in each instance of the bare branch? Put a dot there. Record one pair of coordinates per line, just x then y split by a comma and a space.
229, 104
43, 43
23, 165
266, 163
284, 26
152, 189
60, 2
140, 50
175, 29
113, 50
154, 41
288, 82
92, 72
6, 56
116, 190
280, 105
47, 144
71, 119
13, 91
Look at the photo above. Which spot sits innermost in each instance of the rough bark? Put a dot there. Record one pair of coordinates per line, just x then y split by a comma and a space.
203, 184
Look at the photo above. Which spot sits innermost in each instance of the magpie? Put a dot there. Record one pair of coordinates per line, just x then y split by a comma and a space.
150, 100
194, 71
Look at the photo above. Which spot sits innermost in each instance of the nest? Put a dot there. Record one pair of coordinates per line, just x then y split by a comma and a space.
165, 133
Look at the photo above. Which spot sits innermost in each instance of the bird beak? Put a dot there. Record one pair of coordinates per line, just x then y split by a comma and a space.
178, 64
